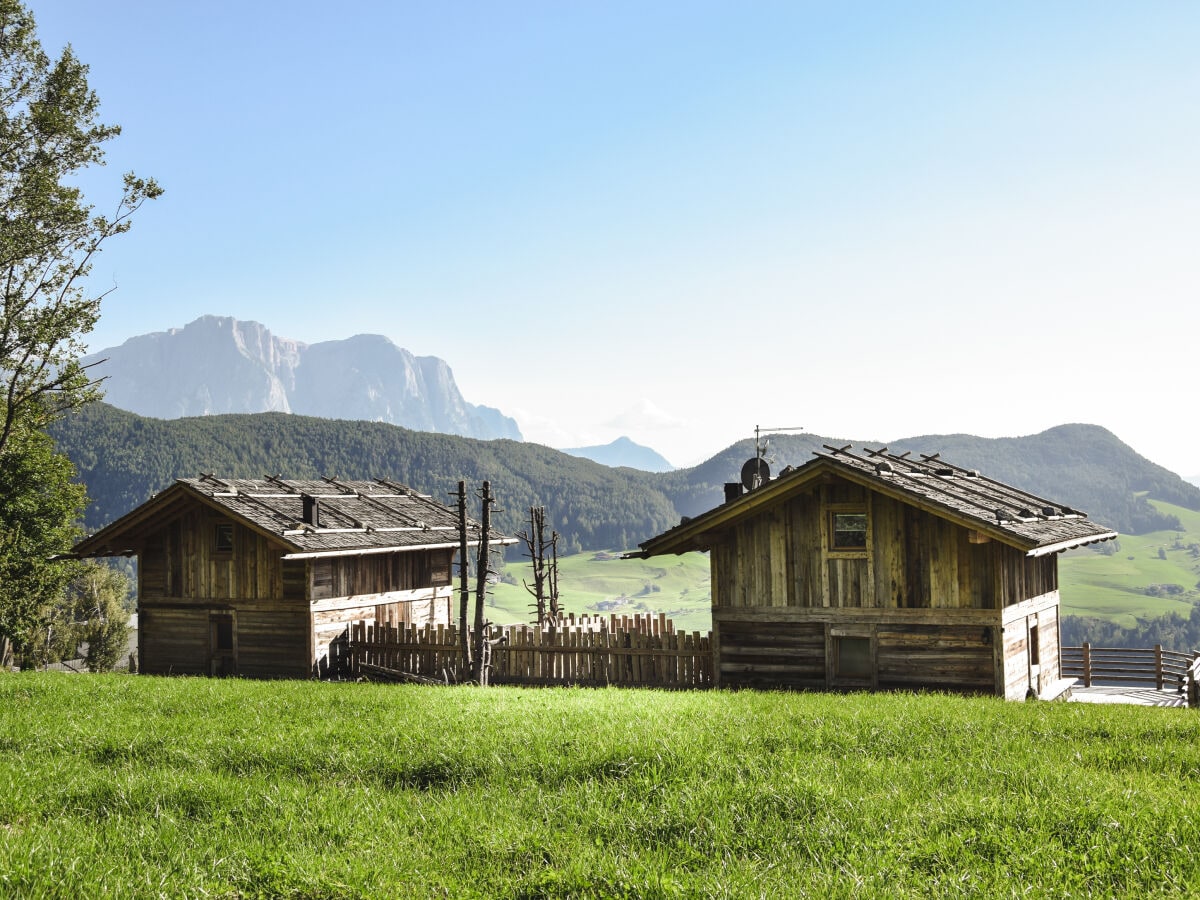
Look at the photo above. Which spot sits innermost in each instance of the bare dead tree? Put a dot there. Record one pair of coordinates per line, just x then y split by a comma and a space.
552, 577
545, 574
535, 551
483, 569
464, 584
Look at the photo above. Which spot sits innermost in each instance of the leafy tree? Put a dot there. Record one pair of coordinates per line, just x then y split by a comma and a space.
97, 596
88, 617
40, 505
49, 237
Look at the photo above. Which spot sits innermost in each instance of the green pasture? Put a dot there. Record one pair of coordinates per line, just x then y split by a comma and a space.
1115, 587
130, 787
599, 583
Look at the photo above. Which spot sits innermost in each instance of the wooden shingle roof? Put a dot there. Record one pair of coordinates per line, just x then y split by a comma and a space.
351, 516
1033, 524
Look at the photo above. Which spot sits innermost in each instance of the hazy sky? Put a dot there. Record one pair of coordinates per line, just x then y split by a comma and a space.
675, 221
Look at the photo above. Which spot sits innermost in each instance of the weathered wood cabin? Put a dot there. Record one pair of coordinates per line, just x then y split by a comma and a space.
258, 577
869, 571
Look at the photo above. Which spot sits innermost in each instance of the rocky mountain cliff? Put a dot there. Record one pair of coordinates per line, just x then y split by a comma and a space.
218, 364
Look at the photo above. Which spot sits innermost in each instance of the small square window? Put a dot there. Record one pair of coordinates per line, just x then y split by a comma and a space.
853, 657
224, 538
849, 530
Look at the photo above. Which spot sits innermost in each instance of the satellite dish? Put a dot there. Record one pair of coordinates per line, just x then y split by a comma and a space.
755, 473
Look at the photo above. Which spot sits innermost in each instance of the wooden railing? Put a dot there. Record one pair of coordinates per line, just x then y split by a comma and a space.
1164, 669
632, 651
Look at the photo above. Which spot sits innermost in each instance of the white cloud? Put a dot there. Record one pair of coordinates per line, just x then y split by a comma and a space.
644, 415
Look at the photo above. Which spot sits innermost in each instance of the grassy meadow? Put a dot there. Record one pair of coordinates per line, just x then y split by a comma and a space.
1114, 587
116, 786
603, 583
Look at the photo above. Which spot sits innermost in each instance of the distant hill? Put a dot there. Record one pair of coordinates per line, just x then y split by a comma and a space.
624, 452
218, 365
124, 458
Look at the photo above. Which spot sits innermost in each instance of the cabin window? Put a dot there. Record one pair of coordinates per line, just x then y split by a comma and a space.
853, 657
1034, 646
223, 541
439, 572
222, 633
848, 530
322, 579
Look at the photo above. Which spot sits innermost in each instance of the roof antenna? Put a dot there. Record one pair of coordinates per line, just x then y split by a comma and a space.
757, 472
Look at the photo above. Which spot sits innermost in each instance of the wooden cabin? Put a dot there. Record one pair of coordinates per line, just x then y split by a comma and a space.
259, 577
874, 571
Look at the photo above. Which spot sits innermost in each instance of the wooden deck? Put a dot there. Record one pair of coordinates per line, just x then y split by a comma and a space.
1131, 694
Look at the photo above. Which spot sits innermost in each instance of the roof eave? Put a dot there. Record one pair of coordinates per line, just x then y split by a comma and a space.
368, 551
1070, 544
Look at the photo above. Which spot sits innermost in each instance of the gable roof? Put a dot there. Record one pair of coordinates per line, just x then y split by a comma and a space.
355, 517
1015, 517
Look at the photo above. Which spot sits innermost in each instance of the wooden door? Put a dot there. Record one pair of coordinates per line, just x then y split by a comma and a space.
222, 643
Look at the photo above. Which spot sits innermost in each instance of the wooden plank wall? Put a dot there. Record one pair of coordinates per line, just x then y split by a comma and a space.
1016, 660
373, 574
781, 654
935, 657
272, 643
1049, 639
913, 559
912, 649
172, 640
180, 561
176, 639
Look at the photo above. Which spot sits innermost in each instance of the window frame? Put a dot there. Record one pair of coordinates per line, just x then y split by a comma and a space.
222, 548
848, 509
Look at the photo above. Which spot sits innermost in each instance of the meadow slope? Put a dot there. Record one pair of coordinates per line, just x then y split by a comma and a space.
119, 786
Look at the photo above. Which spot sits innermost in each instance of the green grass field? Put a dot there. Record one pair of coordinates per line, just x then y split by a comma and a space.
128, 787
1114, 587
602, 583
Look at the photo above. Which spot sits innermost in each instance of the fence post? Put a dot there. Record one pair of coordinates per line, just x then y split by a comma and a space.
1158, 673
1087, 664
1193, 686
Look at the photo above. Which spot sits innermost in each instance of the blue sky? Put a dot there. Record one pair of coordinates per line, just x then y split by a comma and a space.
676, 221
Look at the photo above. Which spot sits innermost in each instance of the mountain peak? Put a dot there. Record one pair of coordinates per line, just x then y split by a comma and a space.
220, 364
623, 452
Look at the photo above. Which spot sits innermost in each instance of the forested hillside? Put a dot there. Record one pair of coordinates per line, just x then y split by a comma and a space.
124, 458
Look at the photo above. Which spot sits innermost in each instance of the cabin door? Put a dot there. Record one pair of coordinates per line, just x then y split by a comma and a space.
222, 644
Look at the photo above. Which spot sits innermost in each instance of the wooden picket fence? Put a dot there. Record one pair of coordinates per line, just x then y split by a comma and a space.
627, 651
